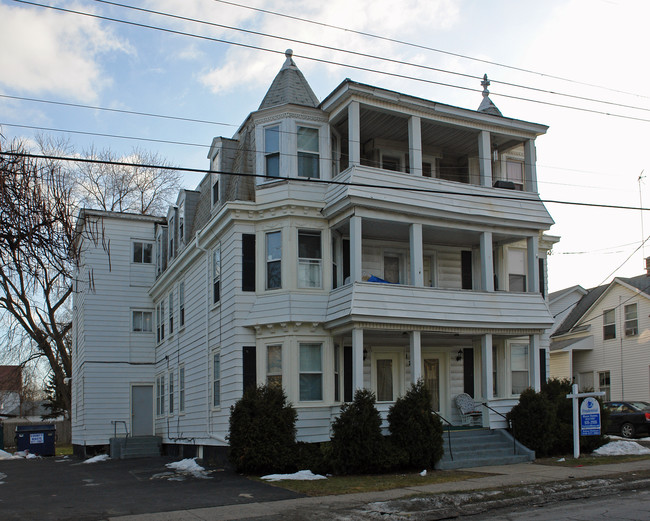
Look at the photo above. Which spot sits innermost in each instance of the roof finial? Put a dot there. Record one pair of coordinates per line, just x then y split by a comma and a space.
289, 61
485, 83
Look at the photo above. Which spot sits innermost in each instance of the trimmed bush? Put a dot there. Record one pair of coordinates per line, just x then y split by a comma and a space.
358, 446
415, 430
263, 432
534, 422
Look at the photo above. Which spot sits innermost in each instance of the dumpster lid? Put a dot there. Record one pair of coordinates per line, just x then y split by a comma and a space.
35, 428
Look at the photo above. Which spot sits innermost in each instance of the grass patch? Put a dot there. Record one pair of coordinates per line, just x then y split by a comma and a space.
589, 460
335, 485
63, 450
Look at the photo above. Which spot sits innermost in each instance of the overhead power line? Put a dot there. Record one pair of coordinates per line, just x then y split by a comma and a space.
372, 56
329, 62
313, 180
427, 48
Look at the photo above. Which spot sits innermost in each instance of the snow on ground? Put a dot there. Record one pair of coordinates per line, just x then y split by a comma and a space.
187, 466
302, 475
620, 448
6, 455
2, 476
99, 457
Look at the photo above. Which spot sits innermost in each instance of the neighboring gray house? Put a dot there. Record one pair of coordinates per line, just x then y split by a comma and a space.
367, 240
601, 339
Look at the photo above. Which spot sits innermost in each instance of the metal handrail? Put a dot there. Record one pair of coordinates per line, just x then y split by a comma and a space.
451, 454
511, 424
126, 428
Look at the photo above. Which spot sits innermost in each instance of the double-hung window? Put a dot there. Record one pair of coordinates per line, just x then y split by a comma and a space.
515, 173
519, 367
181, 223
311, 372
609, 324
631, 320
142, 321
171, 312
216, 379
160, 395
274, 365
160, 321
216, 274
181, 388
170, 388
181, 304
309, 259
308, 156
273, 260
272, 151
170, 231
142, 252
215, 189
604, 384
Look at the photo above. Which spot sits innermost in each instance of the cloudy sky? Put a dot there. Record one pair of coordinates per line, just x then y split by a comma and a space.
545, 60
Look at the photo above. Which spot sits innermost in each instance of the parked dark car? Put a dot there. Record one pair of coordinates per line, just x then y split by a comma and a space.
628, 419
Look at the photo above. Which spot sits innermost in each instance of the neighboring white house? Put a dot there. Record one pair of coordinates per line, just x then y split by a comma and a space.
601, 339
367, 240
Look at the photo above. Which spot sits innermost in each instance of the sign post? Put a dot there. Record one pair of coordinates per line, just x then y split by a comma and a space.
587, 422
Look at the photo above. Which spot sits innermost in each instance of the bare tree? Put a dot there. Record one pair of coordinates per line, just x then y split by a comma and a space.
113, 183
37, 255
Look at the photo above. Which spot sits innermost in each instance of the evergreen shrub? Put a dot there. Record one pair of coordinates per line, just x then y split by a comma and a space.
263, 432
357, 445
415, 430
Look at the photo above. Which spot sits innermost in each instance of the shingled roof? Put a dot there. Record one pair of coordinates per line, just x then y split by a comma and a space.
289, 86
640, 282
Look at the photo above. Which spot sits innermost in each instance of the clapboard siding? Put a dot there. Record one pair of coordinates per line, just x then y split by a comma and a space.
458, 201
390, 302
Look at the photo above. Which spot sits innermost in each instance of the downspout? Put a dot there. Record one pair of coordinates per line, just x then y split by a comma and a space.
207, 342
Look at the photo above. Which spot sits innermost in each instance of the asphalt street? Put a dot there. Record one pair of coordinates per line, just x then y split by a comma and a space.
51, 489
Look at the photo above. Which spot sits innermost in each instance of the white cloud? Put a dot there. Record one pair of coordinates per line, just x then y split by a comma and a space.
53, 52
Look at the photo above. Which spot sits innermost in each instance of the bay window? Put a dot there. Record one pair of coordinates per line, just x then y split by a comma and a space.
272, 151
309, 259
308, 154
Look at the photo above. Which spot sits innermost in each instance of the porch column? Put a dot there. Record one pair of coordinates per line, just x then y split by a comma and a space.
355, 249
487, 262
354, 133
485, 158
530, 168
533, 362
532, 255
416, 355
357, 358
486, 367
415, 145
417, 257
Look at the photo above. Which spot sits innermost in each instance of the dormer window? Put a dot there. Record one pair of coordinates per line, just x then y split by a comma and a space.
308, 156
171, 237
272, 151
215, 189
181, 223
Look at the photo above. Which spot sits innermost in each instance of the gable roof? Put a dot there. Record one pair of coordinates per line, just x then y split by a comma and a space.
289, 86
640, 282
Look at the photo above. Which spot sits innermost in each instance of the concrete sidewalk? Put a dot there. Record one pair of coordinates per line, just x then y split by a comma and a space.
331, 507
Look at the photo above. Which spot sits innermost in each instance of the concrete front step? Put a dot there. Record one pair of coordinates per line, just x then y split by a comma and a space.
135, 447
483, 447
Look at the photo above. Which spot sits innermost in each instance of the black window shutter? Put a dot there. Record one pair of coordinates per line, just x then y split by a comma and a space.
468, 371
248, 262
542, 280
249, 364
347, 374
542, 366
466, 268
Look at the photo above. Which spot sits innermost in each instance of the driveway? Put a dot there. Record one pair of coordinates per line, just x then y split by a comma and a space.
66, 488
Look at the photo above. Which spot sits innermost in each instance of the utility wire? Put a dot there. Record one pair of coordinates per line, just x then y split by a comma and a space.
424, 47
329, 62
120, 111
372, 56
316, 181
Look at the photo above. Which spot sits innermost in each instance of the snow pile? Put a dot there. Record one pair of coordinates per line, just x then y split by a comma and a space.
99, 457
621, 448
189, 466
6, 455
302, 475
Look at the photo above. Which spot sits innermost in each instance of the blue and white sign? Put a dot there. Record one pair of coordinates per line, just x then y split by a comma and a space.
36, 438
590, 417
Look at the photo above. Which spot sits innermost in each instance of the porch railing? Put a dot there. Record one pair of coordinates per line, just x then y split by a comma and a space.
510, 423
126, 428
451, 454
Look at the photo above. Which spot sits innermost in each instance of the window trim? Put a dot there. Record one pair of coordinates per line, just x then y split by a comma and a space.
269, 260
609, 328
320, 372
143, 244
160, 395
311, 261
274, 374
272, 153
635, 320
308, 153
511, 346
396, 372
142, 312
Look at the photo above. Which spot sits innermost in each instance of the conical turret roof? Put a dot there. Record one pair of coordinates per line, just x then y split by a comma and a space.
289, 86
